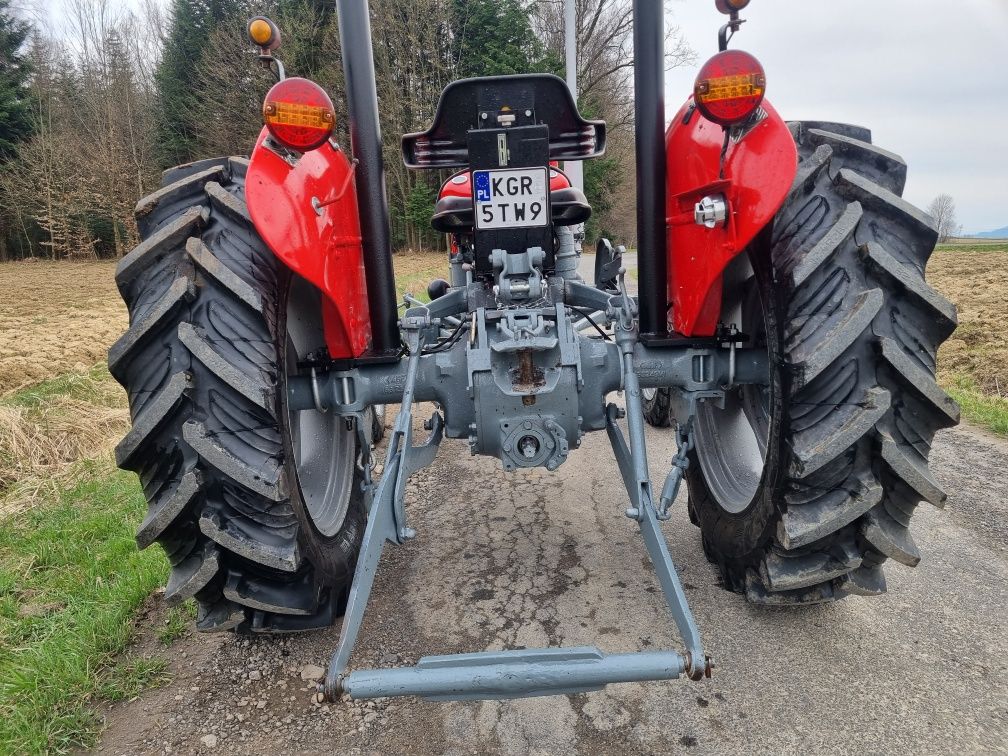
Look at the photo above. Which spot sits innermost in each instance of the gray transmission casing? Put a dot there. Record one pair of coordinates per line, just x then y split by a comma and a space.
524, 372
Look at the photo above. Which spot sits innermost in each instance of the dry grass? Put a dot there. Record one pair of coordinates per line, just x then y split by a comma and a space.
55, 318
47, 430
975, 278
61, 317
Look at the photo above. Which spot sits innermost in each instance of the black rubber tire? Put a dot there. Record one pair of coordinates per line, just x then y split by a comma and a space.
658, 407
854, 397
201, 362
378, 418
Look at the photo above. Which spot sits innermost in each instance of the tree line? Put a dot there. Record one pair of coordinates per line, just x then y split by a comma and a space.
92, 112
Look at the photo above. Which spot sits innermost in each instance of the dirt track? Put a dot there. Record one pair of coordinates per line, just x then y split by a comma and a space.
505, 561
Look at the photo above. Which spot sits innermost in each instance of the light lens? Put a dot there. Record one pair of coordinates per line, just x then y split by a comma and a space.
299, 114
729, 87
731, 6
260, 32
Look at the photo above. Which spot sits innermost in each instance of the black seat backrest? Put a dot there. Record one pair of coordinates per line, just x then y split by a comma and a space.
494, 102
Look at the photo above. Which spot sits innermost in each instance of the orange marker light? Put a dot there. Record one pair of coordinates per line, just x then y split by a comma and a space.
260, 32
729, 87
263, 33
299, 114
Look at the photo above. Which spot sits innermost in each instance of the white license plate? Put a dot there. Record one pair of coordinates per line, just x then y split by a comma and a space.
515, 198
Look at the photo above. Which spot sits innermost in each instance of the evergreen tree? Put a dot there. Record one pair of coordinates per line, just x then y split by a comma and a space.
494, 38
191, 24
15, 108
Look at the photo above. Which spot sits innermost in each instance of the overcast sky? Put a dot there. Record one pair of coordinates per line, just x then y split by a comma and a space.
928, 77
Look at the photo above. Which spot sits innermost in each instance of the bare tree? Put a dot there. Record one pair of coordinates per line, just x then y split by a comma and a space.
413, 63
73, 185
942, 209
605, 47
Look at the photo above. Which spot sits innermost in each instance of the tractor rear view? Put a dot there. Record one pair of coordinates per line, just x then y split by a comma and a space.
782, 327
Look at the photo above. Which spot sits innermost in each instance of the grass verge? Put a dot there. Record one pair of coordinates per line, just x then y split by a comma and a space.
133, 676
978, 407
70, 580
45, 430
71, 577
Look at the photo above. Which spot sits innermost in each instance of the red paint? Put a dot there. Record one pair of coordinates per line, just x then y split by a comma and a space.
758, 173
323, 249
459, 185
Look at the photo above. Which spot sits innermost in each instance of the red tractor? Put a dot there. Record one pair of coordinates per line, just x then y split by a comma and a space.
782, 324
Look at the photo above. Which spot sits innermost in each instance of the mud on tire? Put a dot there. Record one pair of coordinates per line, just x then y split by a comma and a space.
201, 362
857, 330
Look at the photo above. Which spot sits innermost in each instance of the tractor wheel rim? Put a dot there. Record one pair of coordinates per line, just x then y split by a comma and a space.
323, 446
731, 443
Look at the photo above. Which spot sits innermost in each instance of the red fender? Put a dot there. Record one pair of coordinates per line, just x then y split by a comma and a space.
322, 247
759, 170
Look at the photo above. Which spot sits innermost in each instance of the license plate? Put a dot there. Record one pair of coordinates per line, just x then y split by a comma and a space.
515, 198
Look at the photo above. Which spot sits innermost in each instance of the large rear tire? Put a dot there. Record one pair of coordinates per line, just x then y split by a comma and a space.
261, 521
838, 458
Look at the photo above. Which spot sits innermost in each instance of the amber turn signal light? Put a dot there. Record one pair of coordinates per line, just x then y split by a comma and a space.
729, 87
299, 114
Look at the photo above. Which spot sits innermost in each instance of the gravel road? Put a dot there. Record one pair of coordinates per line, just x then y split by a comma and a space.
536, 558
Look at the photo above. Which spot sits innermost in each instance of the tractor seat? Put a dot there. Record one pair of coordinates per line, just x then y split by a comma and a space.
453, 212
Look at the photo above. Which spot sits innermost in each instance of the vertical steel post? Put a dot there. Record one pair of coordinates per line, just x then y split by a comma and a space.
649, 138
365, 144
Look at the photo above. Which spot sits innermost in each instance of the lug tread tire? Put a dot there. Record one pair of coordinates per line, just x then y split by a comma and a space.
199, 363
860, 331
